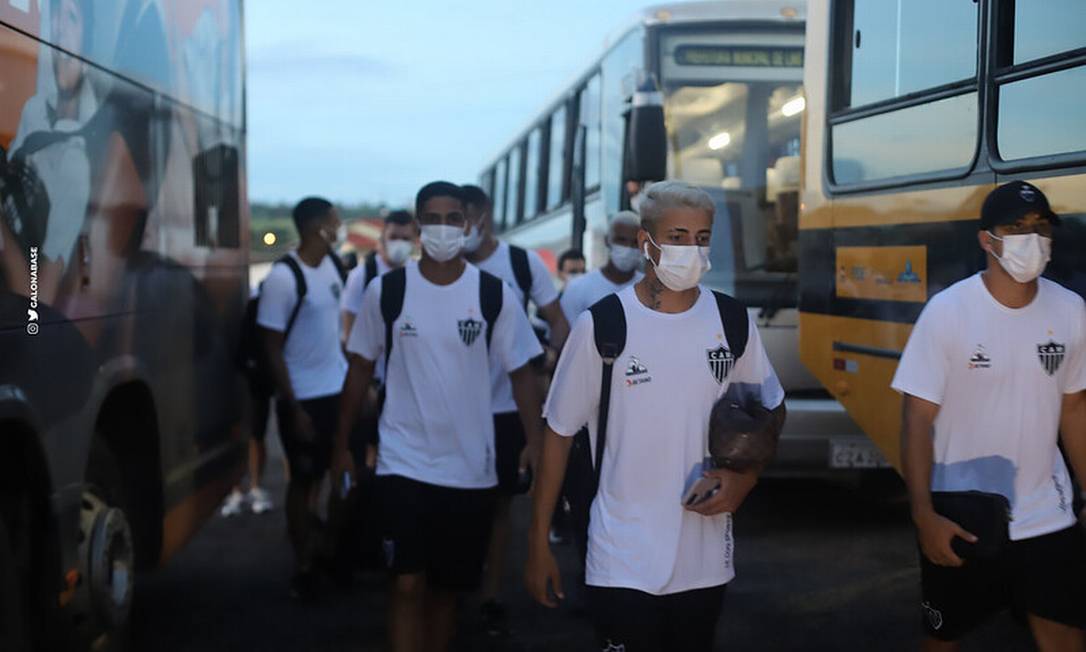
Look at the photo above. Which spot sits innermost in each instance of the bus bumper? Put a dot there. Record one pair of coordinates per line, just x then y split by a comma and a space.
820, 438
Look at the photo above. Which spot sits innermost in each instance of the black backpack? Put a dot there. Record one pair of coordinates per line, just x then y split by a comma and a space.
369, 269
609, 330
522, 272
252, 359
394, 286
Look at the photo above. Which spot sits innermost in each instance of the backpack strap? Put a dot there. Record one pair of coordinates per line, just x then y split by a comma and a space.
522, 271
370, 270
609, 329
341, 269
736, 322
393, 287
490, 301
300, 287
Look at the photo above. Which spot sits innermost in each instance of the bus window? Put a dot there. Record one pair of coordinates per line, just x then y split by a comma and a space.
486, 182
556, 177
740, 141
499, 194
916, 45
1046, 27
513, 204
1056, 125
590, 118
531, 174
922, 139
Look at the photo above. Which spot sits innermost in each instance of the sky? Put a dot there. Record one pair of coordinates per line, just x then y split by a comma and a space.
359, 100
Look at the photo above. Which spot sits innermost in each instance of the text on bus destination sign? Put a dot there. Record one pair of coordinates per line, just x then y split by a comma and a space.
745, 56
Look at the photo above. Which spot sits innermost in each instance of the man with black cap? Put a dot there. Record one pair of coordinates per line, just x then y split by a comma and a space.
993, 378
659, 548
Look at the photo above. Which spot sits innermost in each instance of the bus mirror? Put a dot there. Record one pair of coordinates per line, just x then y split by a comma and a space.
646, 135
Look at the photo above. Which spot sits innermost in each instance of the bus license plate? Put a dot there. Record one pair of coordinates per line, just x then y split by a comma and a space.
855, 455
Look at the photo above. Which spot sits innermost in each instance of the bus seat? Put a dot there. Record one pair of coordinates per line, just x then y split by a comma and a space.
703, 171
782, 177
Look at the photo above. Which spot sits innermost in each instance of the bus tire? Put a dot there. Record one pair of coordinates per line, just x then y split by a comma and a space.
106, 551
12, 620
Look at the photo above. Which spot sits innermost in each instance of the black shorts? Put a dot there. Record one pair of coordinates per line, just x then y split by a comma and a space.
309, 460
441, 532
1044, 576
509, 442
635, 621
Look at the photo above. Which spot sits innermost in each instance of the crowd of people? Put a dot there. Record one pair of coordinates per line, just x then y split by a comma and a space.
415, 387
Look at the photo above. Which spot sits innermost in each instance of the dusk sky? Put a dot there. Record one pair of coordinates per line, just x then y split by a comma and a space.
366, 101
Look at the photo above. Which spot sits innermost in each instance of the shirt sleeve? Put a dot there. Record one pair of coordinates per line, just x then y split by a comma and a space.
278, 297
513, 339
543, 291
352, 293
924, 365
754, 376
367, 337
574, 396
1075, 375
570, 301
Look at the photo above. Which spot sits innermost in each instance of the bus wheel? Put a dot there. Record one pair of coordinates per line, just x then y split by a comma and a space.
12, 621
106, 553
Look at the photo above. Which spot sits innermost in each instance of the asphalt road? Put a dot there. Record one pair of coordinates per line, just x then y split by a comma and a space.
820, 566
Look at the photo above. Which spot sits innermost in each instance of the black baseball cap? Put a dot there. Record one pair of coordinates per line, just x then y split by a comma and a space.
1009, 202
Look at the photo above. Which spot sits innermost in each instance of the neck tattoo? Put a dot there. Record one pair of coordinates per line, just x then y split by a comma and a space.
655, 288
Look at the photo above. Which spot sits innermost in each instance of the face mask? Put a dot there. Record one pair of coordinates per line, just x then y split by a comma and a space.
398, 251
473, 239
1024, 256
333, 238
681, 266
442, 242
625, 259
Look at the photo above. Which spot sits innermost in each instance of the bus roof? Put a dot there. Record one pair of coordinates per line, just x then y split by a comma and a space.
678, 13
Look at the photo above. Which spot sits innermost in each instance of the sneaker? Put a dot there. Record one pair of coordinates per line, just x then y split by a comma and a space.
495, 618
260, 500
234, 503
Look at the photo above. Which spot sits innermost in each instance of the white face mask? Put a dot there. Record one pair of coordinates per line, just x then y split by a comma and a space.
681, 266
398, 251
473, 239
333, 238
442, 242
1024, 256
625, 259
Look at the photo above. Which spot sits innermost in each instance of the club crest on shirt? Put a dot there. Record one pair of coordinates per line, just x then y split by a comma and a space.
933, 615
721, 362
469, 330
980, 359
1051, 356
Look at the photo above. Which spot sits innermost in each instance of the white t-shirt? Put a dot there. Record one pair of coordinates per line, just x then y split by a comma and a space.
356, 285
543, 293
312, 352
581, 293
640, 537
999, 375
437, 424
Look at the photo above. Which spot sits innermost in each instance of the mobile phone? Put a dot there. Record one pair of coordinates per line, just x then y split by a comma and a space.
702, 490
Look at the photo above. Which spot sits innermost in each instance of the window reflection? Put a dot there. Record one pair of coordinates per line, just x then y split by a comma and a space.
921, 139
903, 46
1046, 27
1056, 125
556, 174
531, 175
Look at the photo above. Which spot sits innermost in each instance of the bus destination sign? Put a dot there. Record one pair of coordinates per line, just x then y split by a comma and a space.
739, 56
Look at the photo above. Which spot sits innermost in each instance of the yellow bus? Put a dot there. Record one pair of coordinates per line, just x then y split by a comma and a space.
915, 111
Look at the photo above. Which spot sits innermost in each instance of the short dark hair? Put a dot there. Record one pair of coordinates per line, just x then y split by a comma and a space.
309, 209
570, 254
400, 217
438, 189
476, 196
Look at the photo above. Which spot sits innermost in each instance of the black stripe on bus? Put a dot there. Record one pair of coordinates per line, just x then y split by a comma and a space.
845, 347
952, 254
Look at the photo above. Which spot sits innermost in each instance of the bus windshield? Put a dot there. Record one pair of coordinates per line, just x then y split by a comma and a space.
739, 140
